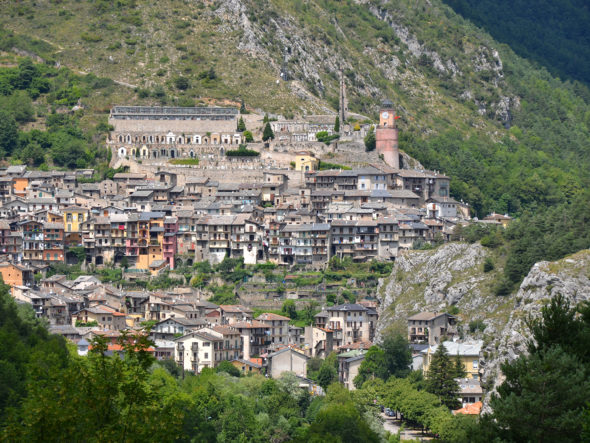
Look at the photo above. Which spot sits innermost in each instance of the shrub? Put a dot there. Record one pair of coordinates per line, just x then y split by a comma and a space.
488, 265
90, 37
242, 151
476, 325
181, 83
185, 161
503, 287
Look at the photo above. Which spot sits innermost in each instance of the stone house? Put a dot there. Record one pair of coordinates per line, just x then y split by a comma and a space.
348, 367
286, 360
430, 327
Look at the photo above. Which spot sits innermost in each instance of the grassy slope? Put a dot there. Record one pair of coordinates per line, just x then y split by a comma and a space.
176, 37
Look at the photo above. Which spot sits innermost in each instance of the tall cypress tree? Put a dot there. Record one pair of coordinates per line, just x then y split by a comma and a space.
267, 134
241, 125
337, 124
441, 378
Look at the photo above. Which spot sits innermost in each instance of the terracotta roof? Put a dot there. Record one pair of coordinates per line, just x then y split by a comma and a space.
118, 347
271, 316
225, 329
248, 363
472, 409
250, 325
235, 308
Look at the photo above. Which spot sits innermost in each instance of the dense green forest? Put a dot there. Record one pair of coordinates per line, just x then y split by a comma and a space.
556, 34
543, 233
542, 160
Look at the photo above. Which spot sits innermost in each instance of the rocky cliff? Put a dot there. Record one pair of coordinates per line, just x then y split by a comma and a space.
569, 277
451, 278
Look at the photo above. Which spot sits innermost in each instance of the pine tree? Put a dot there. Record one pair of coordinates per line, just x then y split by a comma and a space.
243, 107
241, 125
267, 134
337, 124
460, 371
265, 119
440, 379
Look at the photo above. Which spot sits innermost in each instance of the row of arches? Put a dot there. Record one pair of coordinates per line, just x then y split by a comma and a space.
170, 138
146, 152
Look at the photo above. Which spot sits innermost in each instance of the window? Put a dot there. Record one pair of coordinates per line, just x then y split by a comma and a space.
206, 355
475, 362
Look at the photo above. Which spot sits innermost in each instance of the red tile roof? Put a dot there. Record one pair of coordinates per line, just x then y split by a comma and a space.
472, 409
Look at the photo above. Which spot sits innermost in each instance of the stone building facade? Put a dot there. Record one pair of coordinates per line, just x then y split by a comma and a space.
173, 132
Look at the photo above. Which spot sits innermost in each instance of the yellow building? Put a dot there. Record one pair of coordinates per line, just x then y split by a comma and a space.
73, 217
503, 220
247, 366
54, 217
469, 353
306, 162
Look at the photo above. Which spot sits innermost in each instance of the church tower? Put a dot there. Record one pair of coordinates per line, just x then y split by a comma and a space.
386, 135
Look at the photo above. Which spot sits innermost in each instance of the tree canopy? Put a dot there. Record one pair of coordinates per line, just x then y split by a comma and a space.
544, 396
267, 134
440, 379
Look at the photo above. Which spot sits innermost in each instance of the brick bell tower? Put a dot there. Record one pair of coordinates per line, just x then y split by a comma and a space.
386, 135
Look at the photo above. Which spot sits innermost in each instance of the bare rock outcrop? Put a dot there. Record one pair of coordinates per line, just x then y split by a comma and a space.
569, 277
451, 277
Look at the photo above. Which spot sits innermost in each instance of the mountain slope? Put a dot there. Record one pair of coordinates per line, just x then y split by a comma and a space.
553, 33
455, 88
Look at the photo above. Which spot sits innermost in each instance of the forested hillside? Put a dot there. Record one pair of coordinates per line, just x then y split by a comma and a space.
554, 33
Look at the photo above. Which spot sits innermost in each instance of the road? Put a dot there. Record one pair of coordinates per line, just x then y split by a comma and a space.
392, 425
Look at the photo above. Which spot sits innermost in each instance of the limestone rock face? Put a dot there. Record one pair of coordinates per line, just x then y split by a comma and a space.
452, 275
434, 281
569, 277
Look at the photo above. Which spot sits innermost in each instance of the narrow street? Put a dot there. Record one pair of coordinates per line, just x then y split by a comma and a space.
393, 425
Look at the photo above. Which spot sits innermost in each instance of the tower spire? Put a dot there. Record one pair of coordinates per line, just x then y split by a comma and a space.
343, 104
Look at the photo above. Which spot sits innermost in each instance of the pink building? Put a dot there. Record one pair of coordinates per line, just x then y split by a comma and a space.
169, 243
386, 135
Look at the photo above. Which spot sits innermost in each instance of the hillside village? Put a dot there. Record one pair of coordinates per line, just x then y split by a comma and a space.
280, 221
194, 193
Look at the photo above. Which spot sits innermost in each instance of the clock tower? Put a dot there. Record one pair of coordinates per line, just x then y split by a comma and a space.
386, 135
